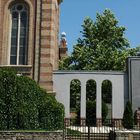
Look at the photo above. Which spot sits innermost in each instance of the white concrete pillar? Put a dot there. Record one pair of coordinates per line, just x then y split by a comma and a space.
83, 100
98, 101
117, 99
114, 100
66, 99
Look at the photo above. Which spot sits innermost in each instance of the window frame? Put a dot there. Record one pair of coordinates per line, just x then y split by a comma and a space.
18, 41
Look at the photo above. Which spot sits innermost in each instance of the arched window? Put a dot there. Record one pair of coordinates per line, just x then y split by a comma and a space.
19, 34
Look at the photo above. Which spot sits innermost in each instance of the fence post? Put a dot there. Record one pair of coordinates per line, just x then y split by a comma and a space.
88, 132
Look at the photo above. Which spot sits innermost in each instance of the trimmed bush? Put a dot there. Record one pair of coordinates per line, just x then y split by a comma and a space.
24, 105
128, 118
91, 113
104, 111
7, 98
51, 113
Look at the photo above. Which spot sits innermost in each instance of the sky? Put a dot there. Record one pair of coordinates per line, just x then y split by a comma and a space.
73, 12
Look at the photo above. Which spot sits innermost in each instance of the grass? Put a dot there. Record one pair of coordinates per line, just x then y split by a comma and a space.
72, 132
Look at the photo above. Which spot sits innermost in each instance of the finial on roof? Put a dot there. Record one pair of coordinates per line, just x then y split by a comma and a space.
63, 46
63, 37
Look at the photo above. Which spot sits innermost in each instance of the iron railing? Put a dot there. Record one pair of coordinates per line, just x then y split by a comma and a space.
106, 130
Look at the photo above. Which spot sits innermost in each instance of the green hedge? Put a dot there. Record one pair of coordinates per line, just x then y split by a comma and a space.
91, 113
24, 105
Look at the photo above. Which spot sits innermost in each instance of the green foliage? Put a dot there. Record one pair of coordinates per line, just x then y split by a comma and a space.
104, 111
51, 113
91, 113
27, 103
128, 118
7, 98
135, 118
107, 91
101, 47
24, 105
91, 90
75, 90
73, 132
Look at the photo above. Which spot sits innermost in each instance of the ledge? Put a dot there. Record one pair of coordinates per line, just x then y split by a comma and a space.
88, 72
22, 69
31, 135
15, 66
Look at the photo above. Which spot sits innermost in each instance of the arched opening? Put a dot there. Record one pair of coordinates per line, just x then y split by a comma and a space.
91, 102
75, 96
106, 101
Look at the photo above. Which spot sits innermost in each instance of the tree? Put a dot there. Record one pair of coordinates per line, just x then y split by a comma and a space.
91, 113
101, 47
91, 90
128, 118
107, 91
75, 92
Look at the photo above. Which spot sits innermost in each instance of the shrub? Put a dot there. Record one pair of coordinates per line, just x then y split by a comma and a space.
73, 132
7, 98
24, 105
104, 111
51, 113
27, 96
128, 119
135, 118
91, 113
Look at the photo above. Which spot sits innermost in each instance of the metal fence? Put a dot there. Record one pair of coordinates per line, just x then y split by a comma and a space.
108, 130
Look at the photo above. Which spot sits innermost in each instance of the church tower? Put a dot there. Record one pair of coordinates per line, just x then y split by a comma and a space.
29, 38
63, 46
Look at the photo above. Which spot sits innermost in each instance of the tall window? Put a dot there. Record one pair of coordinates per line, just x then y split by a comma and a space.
19, 34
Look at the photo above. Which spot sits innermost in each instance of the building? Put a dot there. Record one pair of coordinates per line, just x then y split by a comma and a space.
29, 43
29, 38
